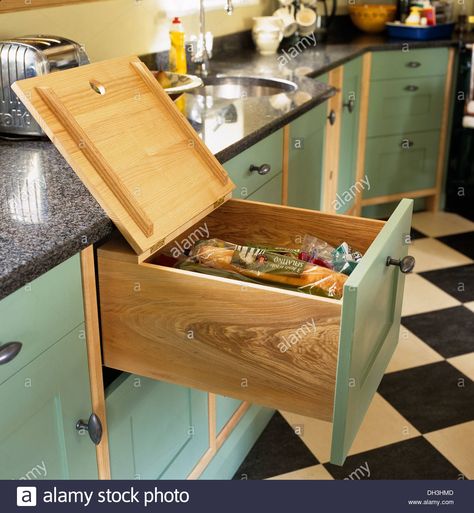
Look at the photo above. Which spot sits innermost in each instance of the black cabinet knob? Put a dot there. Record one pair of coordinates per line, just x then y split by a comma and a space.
411, 88
406, 264
9, 351
264, 169
413, 64
93, 426
332, 117
349, 105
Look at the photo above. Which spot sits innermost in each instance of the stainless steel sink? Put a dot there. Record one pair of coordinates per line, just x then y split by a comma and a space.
236, 87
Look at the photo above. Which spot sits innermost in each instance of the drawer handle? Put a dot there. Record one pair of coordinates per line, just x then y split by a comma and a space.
406, 264
349, 105
406, 143
332, 117
93, 426
9, 352
264, 169
413, 64
411, 88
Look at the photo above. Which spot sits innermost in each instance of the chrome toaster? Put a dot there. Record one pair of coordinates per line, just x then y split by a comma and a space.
26, 57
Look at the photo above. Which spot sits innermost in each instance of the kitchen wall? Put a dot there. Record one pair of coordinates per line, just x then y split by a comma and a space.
111, 28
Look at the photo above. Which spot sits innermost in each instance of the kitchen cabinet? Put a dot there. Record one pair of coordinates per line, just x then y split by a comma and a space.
399, 164
227, 337
264, 157
403, 125
156, 430
43, 402
348, 144
271, 192
306, 154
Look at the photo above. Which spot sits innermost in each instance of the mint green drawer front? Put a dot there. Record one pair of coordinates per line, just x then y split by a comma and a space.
267, 151
39, 314
405, 105
40, 406
370, 326
156, 430
270, 192
409, 64
391, 168
225, 409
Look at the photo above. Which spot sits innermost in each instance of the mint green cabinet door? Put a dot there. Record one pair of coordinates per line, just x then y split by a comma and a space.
409, 64
156, 430
306, 159
400, 163
267, 151
369, 328
225, 409
41, 313
271, 192
40, 406
405, 105
349, 133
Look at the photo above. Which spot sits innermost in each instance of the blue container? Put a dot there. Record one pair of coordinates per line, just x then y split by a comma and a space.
400, 31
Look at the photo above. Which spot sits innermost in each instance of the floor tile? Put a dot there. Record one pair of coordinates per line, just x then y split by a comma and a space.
456, 281
456, 443
438, 224
415, 234
430, 397
470, 305
411, 352
463, 242
318, 472
382, 425
432, 254
465, 364
422, 296
450, 332
277, 451
411, 459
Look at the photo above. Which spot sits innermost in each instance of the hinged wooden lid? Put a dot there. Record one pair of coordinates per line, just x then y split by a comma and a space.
135, 152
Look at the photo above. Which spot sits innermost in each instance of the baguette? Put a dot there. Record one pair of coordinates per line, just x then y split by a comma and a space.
324, 280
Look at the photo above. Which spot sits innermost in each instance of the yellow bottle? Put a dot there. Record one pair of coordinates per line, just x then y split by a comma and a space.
178, 49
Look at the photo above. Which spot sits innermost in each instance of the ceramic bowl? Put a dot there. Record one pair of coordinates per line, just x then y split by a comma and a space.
372, 18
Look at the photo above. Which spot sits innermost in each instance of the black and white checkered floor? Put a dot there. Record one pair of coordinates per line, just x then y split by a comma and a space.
420, 424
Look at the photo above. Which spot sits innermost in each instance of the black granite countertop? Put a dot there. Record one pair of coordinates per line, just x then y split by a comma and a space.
46, 213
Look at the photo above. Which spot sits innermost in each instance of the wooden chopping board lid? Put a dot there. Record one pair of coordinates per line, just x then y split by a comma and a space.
135, 152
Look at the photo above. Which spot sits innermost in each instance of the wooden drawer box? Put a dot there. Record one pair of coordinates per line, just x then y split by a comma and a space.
405, 105
311, 355
409, 64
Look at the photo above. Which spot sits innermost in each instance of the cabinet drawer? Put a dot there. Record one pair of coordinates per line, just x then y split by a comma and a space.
405, 105
306, 354
410, 64
267, 151
401, 163
156, 430
39, 314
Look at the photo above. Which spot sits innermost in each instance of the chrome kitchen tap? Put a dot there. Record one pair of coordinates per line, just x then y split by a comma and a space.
201, 57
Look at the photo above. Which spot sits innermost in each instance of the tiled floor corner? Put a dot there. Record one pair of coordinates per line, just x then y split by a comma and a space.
420, 424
